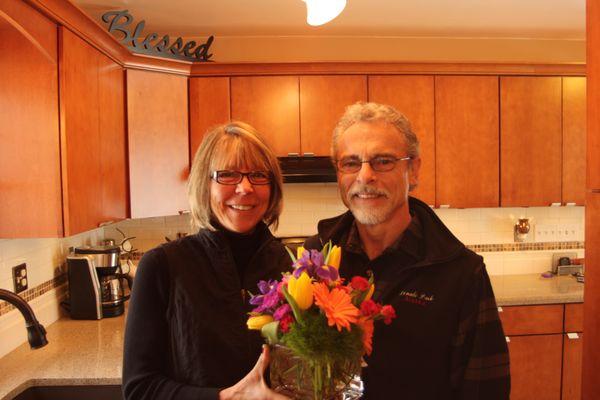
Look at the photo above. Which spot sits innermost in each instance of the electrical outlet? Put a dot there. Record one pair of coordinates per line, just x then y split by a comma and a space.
20, 277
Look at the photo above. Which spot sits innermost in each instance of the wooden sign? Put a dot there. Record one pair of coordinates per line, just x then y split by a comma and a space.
120, 21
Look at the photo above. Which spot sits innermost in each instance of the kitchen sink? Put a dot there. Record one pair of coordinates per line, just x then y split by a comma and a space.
87, 392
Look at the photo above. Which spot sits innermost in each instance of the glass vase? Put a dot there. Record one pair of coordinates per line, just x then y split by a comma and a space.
303, 379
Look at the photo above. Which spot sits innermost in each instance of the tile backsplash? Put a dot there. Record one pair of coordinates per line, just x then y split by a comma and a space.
304, 206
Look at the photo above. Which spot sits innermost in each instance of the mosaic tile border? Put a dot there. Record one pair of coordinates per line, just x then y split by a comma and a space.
482, 248
61, 280
35, 292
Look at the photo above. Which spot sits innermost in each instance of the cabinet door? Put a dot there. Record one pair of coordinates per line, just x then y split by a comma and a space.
30, 197
535, 367
158, 143
322, 103
528, 320
530, 141
209, 106
413, 96
271, 105
591, 320
572, 361
92, 136
467, 141
573, 140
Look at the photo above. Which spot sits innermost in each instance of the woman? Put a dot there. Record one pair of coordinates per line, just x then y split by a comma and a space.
186, 334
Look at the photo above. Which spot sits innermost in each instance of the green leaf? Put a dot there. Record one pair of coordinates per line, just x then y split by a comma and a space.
295, 309
292, 256
269, 332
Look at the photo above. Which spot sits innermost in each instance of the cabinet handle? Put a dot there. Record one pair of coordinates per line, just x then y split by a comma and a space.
555, 204
293, 155
444, 205
569, 204
308, 154
183, 212
572, 335
500, 309
507, 339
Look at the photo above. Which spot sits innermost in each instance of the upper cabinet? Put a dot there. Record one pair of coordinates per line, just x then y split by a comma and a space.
209, 106
467, 141
573, 140
92, 136
30, 187
323, 100
157, 111
413, 96
531, 141
271, 105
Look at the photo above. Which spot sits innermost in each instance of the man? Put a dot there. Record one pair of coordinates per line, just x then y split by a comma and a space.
447, 341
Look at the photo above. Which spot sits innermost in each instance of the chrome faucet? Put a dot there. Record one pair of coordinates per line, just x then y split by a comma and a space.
36, 334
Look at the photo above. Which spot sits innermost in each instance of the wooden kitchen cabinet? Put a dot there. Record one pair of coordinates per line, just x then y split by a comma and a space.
535, 367
413, 96
573, 140
572, 352
30, 197
467, 141
157, 109
323, 100
209, 106
530, 141
92, 136
271, 105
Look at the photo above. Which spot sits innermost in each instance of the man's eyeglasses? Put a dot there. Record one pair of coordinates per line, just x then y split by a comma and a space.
227, 177
350, 165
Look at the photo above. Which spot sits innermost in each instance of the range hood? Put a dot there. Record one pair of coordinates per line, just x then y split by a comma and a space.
307, 169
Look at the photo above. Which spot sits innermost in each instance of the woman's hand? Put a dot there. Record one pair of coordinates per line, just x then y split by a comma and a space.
253, 386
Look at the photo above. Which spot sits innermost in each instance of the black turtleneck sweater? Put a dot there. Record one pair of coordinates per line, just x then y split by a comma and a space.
186, 335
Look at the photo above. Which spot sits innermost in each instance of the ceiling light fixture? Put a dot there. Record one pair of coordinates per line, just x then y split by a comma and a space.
319, 12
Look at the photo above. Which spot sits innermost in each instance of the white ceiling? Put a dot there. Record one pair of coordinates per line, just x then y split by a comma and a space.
515, 19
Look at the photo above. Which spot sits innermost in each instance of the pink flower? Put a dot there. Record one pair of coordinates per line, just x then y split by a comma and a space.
388, 313
368, 308
285, 323
359, 283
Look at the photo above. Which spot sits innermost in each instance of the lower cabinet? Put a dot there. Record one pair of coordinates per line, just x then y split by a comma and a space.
545, 347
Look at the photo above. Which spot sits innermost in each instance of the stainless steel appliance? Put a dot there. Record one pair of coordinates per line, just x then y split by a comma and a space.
96, 282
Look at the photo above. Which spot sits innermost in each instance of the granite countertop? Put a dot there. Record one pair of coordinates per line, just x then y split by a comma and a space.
514, 290
78, 353
90, 352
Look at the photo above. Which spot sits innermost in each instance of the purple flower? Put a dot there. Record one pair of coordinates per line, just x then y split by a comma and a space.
312, 262
268, 299
281, 312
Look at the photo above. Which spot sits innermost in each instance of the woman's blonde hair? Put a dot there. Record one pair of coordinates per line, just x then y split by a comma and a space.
227, 146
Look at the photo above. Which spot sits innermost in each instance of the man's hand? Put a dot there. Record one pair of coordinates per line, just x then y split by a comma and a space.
253, 386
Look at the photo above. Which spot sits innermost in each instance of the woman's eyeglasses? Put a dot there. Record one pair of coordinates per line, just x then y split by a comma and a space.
350, 165
227, 177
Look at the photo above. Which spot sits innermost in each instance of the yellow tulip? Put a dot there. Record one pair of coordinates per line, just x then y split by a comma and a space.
370, 292
257, 322
301, 290
299, 252
335, 255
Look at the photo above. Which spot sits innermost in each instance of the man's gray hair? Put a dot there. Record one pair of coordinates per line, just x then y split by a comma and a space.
375, 112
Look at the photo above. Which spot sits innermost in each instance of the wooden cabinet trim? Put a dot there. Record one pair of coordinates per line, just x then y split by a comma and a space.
574, 317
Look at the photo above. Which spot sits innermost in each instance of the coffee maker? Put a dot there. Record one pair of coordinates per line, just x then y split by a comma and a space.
96, 282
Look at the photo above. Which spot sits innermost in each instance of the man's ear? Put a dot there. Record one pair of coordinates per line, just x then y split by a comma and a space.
413, 173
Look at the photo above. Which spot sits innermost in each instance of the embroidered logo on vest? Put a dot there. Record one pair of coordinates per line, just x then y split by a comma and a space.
416, 297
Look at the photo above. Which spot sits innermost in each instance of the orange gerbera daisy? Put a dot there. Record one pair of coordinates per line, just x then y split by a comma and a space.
366, 324
337, 306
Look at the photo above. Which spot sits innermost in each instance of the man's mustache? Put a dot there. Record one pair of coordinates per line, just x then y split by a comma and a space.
359, 189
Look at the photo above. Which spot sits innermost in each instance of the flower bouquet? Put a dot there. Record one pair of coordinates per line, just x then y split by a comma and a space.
319, 327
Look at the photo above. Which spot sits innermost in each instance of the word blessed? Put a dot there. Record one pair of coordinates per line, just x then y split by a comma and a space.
119, 21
